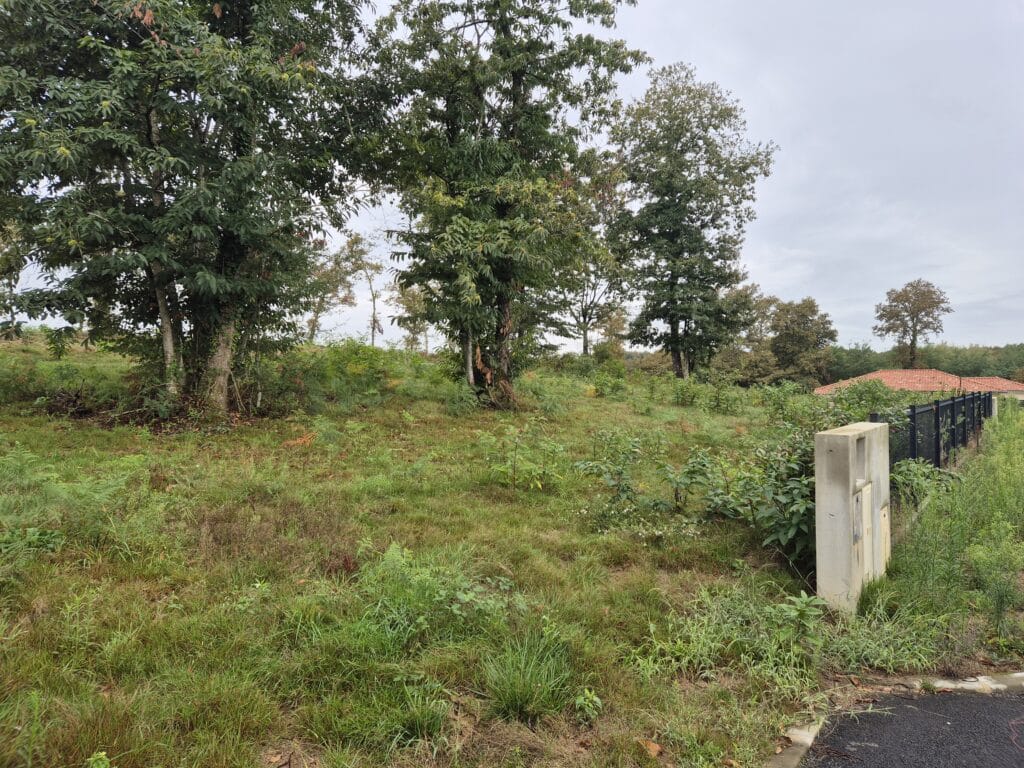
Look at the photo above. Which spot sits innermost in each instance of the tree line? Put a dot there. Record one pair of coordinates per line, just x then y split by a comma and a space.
170, 169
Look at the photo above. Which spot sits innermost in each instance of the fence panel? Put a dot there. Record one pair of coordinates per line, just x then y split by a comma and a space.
936, 431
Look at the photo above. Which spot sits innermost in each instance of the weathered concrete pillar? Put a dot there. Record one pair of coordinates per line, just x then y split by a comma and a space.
852, 538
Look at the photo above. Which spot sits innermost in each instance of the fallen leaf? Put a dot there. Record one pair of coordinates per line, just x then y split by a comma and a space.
652, 748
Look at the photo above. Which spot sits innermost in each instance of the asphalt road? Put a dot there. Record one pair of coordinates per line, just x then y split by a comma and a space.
943, 730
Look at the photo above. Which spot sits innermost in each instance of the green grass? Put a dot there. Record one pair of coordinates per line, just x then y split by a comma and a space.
962, 559
367, 586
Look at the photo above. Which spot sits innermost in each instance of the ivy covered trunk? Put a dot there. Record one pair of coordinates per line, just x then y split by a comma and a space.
502, 391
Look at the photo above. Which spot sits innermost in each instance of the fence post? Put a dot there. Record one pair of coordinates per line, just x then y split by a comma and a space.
937, 448
953, 436
913, 432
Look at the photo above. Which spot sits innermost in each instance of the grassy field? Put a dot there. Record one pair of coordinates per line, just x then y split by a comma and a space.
401, 579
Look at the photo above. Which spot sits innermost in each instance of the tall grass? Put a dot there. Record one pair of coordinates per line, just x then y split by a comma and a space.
965, 549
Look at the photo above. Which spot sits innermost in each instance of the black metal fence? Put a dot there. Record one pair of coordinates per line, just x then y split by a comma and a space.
935, 431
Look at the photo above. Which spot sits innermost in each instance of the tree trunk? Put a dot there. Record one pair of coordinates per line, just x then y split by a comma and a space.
504, 394
586, 340
174, 365
912, 363
218, 369
467, 352
680, 366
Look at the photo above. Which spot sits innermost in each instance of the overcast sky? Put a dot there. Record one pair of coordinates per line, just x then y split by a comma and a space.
900, 126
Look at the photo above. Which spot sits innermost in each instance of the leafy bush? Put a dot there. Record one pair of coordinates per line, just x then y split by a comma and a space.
63, 387
608, 385
546, 393
774, 493
523, 457
912, 481
687, 392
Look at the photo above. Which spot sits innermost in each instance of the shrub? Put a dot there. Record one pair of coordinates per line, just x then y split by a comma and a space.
687, 392
522, 457
912, 480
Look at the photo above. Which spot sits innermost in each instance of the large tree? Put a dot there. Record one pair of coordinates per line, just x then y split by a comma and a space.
691, 173
496, 94
168, 159
911, 314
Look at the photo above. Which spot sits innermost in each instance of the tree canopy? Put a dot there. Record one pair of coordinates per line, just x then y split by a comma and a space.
497, 96
691, 173
170, 162
911, 314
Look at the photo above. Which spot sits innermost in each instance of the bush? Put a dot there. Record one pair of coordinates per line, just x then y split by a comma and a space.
63, 387
523, 458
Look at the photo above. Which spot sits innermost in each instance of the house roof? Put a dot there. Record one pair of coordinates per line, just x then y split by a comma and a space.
928, 380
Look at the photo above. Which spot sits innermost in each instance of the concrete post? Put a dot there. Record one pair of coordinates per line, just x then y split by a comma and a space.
852, 529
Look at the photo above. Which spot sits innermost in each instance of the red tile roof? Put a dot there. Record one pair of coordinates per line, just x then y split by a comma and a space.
929, 380
992, 384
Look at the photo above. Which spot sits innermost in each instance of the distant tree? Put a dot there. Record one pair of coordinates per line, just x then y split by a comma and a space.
592, 289
691, 174
613, 328
495, 97
748, 359
911, 314
412, 307
855, 360
801, 335
359, 258
333, 274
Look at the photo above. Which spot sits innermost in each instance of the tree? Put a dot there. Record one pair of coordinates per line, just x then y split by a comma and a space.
910, 314
332, 284
691, 173
801, 335
491, 92
168, 160
856, 360
593, 289
12, 261
369, 270
612, 326
748, 359
412, 307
